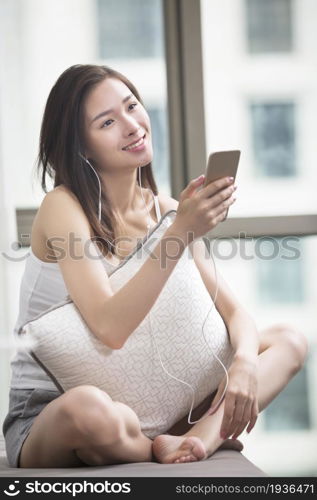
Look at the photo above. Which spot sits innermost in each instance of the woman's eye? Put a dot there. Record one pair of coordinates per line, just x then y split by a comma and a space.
107, 123
110, 121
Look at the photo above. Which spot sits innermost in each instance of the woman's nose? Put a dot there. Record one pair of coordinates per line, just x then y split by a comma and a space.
131, 126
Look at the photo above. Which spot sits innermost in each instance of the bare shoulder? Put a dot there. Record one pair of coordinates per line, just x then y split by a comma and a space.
67, 232
167, 203
59, 208
60, 194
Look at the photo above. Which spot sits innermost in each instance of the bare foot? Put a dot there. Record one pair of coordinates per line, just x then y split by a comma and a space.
231, 444
178, 449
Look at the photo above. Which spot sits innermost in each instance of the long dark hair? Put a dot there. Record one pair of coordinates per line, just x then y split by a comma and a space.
62, 138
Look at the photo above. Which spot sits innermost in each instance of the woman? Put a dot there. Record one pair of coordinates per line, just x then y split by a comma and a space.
95, 127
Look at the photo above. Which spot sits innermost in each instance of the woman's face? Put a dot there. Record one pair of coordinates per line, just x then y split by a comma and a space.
117, 127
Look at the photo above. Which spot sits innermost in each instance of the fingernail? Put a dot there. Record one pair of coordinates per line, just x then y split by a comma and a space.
230, 179
235, 187
200, 177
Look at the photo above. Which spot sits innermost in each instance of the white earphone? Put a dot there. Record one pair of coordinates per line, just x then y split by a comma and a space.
99, 198
153, 336
149, 215
99, 204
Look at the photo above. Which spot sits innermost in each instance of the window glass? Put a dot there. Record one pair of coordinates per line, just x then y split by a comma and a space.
263, 103
290, 409
130, 29
260, 93
160, 145
280, 270
269, 25
274, 279
273, 139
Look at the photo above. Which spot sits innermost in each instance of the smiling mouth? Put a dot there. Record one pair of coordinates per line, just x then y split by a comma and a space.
135, 144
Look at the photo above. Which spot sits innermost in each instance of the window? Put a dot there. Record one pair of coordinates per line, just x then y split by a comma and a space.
273, 134
131, 40
269, 25
280, 273
130, 29
160, 145
290, 409
264, 106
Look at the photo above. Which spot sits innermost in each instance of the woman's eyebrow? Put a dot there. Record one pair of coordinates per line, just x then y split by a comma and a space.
103, 113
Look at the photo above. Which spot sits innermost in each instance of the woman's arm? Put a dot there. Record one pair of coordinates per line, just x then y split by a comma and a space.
243, 333
242, 330
241, 406
111, 316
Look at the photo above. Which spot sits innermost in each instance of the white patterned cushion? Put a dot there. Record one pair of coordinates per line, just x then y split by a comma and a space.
73, 356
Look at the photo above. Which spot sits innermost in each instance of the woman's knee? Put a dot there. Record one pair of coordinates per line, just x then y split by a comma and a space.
93, 414
296, 343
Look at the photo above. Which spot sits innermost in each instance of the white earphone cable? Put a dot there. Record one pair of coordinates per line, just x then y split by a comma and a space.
99, 197
148, 224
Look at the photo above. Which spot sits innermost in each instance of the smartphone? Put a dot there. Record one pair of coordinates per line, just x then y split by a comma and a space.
222, 164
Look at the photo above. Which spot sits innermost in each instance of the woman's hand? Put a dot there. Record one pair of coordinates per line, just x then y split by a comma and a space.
241, 404
200, 211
